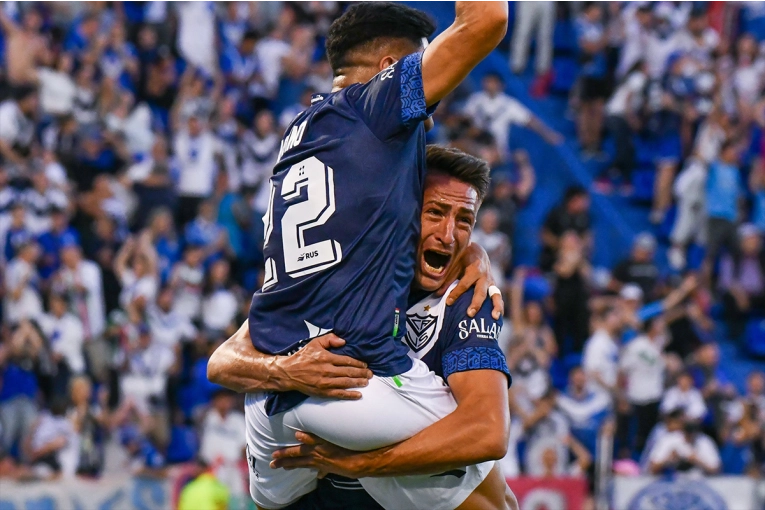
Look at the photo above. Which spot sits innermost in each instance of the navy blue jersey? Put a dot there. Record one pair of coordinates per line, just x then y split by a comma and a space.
449, 341
342, 225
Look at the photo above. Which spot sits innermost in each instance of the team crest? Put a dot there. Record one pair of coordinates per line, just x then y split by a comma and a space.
419, 330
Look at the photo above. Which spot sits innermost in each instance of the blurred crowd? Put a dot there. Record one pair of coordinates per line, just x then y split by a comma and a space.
135, 142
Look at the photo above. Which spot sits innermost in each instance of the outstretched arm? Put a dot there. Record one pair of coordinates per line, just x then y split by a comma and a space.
313, 370
477, 29
475, 432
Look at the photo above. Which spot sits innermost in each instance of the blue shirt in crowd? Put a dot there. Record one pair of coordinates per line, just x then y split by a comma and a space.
724, 188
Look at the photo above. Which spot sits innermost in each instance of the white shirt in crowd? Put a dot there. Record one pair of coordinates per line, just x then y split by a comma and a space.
691, 402
15, 127
270, 52
146, 376
89, 308
134, 287
50, 428
497, 246
223, 438
703, 448
196, 160
643, 364
628, 96
57, 91
66, 338
496, 115
600, 357
219, 309
21, 274
169, 328
550, 432
39, 206
188, 290
196, 35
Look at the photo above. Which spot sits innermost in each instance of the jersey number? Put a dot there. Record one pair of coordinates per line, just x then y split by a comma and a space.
301, 259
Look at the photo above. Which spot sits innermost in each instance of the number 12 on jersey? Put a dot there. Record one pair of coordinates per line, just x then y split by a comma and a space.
301, 259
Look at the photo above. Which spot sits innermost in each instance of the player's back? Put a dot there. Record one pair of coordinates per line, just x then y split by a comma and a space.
343, 221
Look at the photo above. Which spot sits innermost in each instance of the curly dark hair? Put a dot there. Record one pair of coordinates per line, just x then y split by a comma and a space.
367, 21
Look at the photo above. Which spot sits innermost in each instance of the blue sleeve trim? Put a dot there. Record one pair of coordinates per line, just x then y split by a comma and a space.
413, 107
475, 358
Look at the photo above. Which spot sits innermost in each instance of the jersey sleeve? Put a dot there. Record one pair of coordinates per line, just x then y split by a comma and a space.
471, 343
393, 102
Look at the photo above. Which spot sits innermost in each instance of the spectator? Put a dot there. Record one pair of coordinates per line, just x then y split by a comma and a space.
509, 194
494, 111
219, 303
80, 281
160, 233
89, 421
715, 386
51, 242
18, 394
640, 268
689, 190
223, 440
573, 214
757, 189
623, 120
571, 294
152, 182
601, 352
688, 450
168, 327
593, 82
530, 17
17, 118
23, 300
41, 199
139, 281
723, 191
642, 364
685, 397
198, 153
18, 232
496, 243
532, 346
25, 46
64, 333
258, 149
53, 445
205, 231
586, 410
187, 280
742, 280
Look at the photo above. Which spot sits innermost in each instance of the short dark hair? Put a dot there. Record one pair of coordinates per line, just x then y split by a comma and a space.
573, 192
367, 21
460, 165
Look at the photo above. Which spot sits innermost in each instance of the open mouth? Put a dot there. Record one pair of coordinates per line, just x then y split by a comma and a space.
436, 262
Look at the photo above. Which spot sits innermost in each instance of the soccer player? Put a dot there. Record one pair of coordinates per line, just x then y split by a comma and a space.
341, 230
461, 349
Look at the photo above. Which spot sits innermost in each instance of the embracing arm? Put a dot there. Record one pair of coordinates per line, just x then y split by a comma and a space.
477, 29
313, 370
477, 431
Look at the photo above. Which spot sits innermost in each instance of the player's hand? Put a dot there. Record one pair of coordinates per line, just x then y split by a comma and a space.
316, 371
316, 453
477, 273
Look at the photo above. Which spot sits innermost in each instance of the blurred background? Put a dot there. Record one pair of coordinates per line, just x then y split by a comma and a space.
625, 223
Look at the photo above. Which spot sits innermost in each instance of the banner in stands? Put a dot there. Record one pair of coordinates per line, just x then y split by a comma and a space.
548, 493
712, 493
108, 493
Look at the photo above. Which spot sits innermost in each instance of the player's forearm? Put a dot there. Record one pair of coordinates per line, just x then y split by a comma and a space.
477, 29
238, 366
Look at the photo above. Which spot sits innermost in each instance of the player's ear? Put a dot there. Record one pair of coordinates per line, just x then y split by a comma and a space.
387, 61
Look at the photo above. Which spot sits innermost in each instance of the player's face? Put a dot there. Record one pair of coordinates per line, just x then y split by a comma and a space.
448, 216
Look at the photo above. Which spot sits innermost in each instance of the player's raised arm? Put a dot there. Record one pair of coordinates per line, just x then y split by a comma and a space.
477, 29
313, 370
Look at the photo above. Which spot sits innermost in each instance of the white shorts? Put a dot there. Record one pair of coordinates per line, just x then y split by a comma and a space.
387, 413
